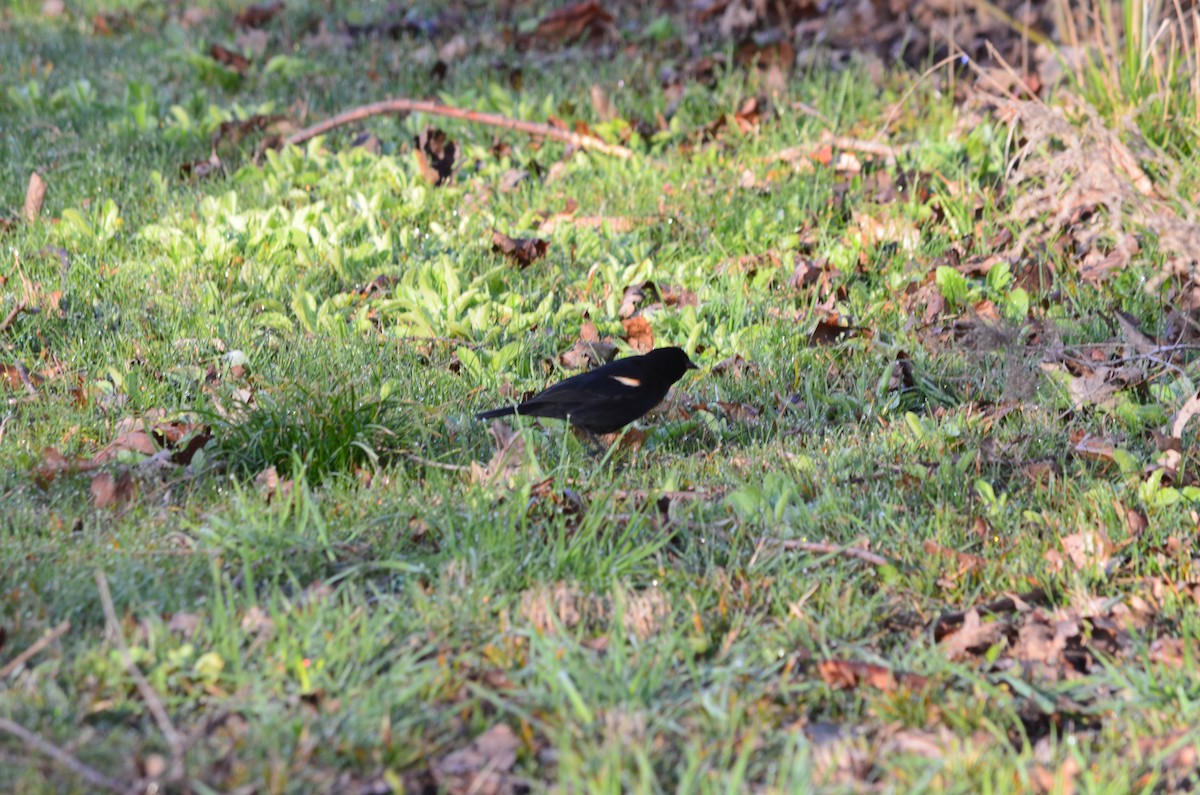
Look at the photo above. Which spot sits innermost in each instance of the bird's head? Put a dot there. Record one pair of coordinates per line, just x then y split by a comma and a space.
673, 362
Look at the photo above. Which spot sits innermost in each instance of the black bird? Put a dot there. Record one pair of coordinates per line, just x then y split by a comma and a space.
607, 398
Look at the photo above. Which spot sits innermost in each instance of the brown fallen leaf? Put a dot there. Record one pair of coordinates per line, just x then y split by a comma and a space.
828, 333
965, 561
482, 767
630, 439
613, 223
132, 435
270, 487
732, 366
600, 103
15, 376
1173, 453
227, 57
256, 16
201, 169
738, 412
35, 195
572, 21
435, 154
1095, 384
849, 675
1135, 521
1094, 446
1087, 550
234, 130
523, 251
638, 334
746, 119
869, 231
108, 490
1057, 782
506, 461
589, 349
973, 637
630, 300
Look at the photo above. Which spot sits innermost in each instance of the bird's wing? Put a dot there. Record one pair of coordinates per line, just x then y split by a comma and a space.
616, 384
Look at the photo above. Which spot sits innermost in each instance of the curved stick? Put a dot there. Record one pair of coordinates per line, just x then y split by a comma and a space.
403, 105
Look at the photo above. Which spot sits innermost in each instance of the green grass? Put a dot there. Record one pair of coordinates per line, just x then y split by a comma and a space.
379, 612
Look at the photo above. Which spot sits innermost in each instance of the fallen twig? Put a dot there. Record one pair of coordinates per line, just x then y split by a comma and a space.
876, 148
435, 464
833, 549
404, 105
174, 739
16, 310
34, 648
81, 769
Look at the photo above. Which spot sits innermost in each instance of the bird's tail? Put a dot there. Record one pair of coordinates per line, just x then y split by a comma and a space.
500, 412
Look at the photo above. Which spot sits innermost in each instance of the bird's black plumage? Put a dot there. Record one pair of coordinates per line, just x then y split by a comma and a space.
607, 398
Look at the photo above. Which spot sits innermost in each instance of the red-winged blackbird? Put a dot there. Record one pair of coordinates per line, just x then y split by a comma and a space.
607, 398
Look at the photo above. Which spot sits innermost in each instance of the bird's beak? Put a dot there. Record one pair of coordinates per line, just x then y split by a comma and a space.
692, 365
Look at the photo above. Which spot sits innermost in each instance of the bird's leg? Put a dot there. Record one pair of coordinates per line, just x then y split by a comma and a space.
595, 444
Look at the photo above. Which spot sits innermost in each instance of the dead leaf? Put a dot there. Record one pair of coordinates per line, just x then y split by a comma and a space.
629, 301
629, 439
645, 612
870, 231
1090, 445
1057, 782
974, 637
572, 21
35, 195
746, 119
16, 377
848, 675
1135, 521
733, 365
271, 487
1094, 384
604, 109
201, 169
1087, 550
1173, 454
638, 334
256, 16
227, 57
147, 436
435, 154
108, 490
806, 273
510, 180
589, 349
482, 767
234, 130
523, 251
507, 460
829, 333
256, 621
965, 561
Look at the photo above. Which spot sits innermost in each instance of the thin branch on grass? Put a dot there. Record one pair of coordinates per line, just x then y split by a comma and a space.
12, 315
402, 105
435, 464
85, 771
833, 549
174, 739
34, 648
26, 381
876, 148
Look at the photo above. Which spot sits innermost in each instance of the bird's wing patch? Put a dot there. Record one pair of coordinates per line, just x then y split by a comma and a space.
627, 381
